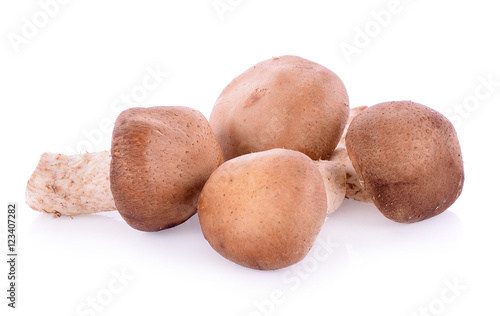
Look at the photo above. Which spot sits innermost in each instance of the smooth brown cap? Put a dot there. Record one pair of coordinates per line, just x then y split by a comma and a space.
264, 210
284, 102
161, 158
408, 158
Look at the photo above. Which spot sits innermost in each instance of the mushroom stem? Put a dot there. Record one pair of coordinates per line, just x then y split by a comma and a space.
352, 114
71, 184
334, 179
354, 188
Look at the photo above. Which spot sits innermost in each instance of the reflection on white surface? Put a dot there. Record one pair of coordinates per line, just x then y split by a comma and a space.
356, 244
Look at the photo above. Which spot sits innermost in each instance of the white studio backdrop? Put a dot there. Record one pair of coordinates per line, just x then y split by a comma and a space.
67, 68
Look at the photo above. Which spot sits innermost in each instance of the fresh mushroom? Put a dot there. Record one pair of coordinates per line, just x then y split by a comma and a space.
263, 210
284, 102
160, 159
408, 159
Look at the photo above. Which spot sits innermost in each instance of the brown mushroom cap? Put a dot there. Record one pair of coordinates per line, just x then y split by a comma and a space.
161, 158
263, 210
408, 158
285, 102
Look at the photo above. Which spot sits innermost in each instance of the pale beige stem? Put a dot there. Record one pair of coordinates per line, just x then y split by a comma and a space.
354, 188
334, 178
352, 114
71, 184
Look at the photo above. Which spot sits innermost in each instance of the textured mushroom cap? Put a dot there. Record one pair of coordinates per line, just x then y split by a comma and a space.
263, 210
286, 102
160, 159
408, 158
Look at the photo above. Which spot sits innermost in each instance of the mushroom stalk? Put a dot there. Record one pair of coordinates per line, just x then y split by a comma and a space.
334, 179
71, 184
354, 188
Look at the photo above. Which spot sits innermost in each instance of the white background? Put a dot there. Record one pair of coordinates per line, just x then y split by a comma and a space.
64, 79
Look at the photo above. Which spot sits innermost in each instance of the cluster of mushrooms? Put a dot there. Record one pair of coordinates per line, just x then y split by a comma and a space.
281, 151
